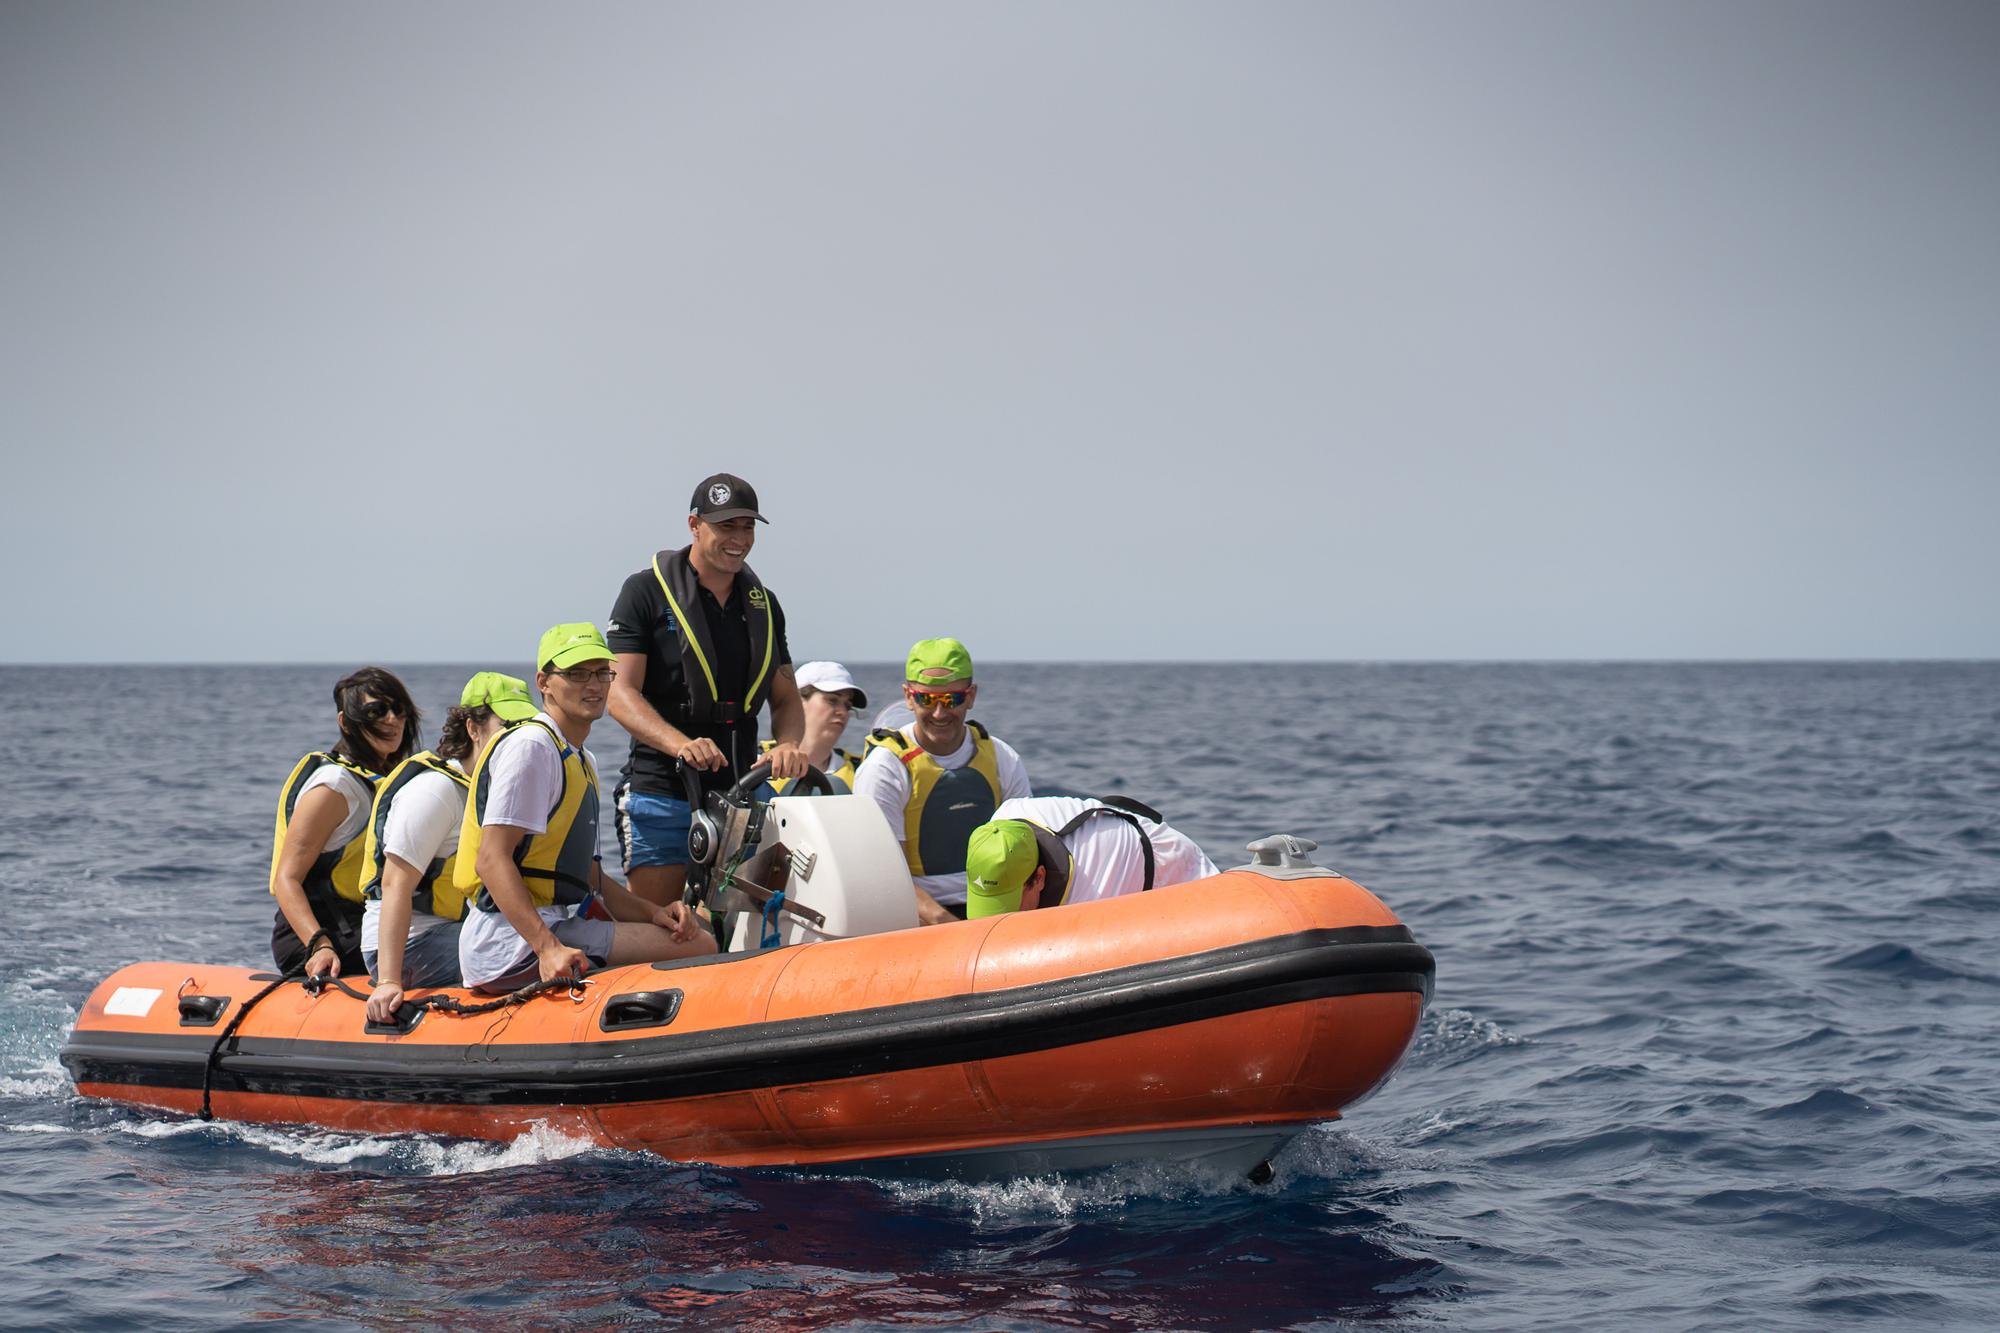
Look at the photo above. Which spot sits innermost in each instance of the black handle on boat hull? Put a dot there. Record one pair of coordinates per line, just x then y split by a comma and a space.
202, 1011
639, 1009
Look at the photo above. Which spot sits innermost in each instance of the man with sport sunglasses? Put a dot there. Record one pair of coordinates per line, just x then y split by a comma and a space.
940, 777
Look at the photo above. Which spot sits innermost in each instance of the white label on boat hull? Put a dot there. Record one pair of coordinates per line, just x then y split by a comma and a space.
131, 1001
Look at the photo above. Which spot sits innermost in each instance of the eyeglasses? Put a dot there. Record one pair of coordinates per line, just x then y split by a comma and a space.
578, 676
376, 709
936, 698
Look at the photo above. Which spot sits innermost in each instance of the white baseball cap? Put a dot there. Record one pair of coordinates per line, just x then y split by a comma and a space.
827, 677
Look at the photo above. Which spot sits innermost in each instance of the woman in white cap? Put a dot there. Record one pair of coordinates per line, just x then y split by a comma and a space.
830, 696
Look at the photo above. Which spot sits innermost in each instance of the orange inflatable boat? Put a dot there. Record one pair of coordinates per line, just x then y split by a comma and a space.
1211, 1020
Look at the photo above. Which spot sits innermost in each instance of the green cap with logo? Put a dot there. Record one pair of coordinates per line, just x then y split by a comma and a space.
999, 857
938, 662
566, 645
507, 696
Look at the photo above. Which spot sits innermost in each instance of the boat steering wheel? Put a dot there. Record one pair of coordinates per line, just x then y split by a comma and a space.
706, 824
746, 786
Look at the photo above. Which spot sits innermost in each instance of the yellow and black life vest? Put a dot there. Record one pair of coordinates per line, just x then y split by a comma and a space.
842, 772
945, 804
698, 656
337, 871
555, 863
1059, 861
436, 893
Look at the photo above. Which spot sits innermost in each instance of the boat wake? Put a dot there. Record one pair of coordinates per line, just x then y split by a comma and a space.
1323, 1153
413, 1155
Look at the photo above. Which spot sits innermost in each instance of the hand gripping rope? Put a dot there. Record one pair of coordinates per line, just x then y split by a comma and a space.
314, 986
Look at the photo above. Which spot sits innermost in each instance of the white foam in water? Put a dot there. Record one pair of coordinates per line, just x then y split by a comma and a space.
1455, 1029
416, 1154
47, 1079
1327, 1152
1062, 1198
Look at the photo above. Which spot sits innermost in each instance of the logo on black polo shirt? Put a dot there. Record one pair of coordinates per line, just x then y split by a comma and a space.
757, 598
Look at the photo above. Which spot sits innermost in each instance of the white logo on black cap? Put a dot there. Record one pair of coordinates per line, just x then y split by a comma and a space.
718, 494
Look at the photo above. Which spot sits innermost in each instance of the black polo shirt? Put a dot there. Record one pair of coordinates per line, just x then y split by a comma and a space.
641, 622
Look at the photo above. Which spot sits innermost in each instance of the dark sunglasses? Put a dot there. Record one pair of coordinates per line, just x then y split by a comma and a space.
932, 698
376, 709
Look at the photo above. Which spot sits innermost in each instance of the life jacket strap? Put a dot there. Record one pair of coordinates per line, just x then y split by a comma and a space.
1114, 812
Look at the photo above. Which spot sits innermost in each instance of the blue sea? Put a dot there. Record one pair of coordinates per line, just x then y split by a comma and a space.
1712, 1046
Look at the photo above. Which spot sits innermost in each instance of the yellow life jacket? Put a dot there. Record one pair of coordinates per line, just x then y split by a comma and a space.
436, 893
337, 871
842, 771
555, 863
945, 804
698, 656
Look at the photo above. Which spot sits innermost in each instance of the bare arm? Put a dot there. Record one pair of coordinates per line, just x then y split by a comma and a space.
509, 892
788, 726
313, 821
399, 885
931, 912
644, 724
624, 905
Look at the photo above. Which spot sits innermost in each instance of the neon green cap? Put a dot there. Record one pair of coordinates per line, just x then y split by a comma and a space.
999, 857
566, 645
507, 696
938, 662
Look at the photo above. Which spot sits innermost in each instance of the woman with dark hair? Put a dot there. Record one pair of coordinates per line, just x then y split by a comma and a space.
410, 920
317, 851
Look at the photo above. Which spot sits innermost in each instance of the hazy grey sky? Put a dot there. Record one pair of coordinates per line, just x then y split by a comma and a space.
385, 332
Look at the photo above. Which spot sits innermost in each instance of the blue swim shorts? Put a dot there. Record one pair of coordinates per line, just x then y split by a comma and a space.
652, 830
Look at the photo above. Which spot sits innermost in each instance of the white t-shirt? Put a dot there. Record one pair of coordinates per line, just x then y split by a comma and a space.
883, 779
359, 797
1106, 849
422, 826
524, 783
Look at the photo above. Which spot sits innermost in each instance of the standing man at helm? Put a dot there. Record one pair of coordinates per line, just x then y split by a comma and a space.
700, 648
940, 777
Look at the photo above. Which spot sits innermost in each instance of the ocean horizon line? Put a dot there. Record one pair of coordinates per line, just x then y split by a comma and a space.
1886, 660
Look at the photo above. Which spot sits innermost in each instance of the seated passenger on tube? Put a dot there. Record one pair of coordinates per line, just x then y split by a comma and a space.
527, 850
318, 853
830, 697
940, 777
410, 922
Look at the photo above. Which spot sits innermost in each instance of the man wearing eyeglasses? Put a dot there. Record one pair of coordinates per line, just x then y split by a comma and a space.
700, 648
528, 844
940, 777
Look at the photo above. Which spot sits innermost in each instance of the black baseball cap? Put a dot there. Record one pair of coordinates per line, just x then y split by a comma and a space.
724, 496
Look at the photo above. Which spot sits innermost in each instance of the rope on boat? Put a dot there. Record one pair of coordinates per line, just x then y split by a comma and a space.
315, 986
208, 1065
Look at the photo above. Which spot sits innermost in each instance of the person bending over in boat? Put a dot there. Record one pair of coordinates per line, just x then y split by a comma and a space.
1045, 851
318, 857
830, 697
410, 921
527, 850
701, 646
940, 777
